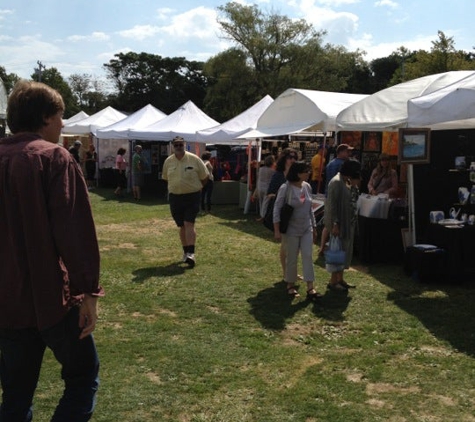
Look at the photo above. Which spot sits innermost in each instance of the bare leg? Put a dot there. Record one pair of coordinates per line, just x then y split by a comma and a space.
188, 234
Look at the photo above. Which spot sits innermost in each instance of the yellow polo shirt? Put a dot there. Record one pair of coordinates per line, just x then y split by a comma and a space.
185, 175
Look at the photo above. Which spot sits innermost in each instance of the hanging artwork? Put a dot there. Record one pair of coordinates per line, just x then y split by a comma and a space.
390, 143
372, 141
353, 139
414, 145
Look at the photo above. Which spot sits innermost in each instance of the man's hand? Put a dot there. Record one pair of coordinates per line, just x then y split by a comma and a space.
87, 315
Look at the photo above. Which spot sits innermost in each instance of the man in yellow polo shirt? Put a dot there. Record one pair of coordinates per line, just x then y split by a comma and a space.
186, 175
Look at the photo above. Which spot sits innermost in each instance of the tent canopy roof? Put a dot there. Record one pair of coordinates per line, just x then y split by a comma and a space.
76, 118
297, 109
102, 118
452, 106
387, 109
185, 122
227, 132
138, 120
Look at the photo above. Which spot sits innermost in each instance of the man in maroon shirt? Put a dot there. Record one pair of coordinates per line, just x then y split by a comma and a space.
49, 271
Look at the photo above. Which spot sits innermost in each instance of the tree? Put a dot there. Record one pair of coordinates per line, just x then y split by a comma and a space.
272, 43
80, 86
9, 79
89, 92
443, 57
231, 85
272, 53
382, 71
166, 83
54, 79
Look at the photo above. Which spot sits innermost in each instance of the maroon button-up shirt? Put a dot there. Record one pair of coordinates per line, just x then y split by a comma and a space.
49, 253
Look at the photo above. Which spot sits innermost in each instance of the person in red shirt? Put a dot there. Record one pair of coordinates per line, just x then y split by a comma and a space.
49, 276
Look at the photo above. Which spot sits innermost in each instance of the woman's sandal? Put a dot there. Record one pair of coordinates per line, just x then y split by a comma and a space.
292, 291
313, 295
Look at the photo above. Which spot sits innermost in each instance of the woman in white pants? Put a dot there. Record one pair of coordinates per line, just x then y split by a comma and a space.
300, 234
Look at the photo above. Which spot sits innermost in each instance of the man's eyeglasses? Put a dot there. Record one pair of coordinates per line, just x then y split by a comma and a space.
292, 157
178, 145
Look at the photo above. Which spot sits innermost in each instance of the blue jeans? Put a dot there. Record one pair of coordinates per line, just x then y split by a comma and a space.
20, 363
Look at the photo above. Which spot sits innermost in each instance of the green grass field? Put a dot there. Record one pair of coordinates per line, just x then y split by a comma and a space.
223, 343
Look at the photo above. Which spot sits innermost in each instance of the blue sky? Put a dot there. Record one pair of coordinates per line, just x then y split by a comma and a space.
79, 36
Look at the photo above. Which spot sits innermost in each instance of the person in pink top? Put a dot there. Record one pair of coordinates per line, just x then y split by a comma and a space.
120, 171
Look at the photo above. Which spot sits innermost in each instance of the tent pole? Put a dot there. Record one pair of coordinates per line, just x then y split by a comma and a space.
412, 215
247, 204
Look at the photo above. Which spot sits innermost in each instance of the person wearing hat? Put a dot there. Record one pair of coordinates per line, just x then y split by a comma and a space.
138, 167
341, 215
74, 150
186, 174
333, 167
383, 178
343, 152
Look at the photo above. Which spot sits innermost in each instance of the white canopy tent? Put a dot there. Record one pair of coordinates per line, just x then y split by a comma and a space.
229, 131
98, 120
138, 120
76, 118
386, 110
3, 100
451, 107
184, 122
296, 110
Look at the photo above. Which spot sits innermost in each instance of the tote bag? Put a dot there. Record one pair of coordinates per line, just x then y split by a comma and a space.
269, 217
286, 212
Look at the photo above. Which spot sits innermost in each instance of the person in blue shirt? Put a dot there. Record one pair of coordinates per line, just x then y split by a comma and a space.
343, 152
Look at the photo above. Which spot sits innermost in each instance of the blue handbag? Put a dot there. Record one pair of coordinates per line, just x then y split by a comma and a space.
334, 254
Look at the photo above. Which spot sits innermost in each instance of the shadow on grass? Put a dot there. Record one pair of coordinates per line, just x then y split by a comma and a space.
247, 224
446, 310
272, 307
141, 275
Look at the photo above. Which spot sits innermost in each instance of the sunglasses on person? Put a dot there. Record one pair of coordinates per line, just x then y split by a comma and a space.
178, 145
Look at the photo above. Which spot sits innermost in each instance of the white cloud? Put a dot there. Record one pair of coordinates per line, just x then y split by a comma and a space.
164, 12
339, 25
95, 36
387, 3
330, 3
5, 13
140, 32
374, 51
198, 23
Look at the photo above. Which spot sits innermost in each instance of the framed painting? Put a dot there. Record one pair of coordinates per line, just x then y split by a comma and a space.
414, 146
353, 139
390, 143
372, 142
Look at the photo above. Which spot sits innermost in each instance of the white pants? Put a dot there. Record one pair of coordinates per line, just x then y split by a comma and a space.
294, 245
